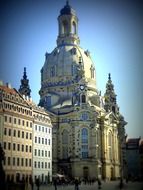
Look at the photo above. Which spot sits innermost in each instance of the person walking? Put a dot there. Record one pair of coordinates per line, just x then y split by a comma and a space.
55, 183
99, 183
38, 183
76, 182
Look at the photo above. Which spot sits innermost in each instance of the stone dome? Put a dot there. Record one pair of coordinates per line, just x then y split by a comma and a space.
67, 61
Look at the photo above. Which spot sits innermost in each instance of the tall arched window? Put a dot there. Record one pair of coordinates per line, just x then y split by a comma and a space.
73, 28
65, 144
110, 145
65, 27
84, 143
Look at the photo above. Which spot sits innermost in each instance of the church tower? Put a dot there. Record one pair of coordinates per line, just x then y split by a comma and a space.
110, 97
24, 87
85, 129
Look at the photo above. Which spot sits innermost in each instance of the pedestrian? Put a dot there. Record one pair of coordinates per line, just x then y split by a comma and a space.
55, 183
76, 182
38, 183
121, 183
31, 182
99, 183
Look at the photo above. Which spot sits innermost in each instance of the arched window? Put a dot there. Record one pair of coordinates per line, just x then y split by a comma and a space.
83, 98
65, 27
65, 137
84, 143
73, 28
65, 144
110, 145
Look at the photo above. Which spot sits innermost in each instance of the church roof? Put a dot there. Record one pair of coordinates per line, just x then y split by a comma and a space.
67, 10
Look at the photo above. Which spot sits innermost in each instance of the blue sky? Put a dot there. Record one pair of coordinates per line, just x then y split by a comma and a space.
110, 29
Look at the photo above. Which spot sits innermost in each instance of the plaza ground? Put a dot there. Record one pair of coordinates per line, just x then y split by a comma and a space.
105, 186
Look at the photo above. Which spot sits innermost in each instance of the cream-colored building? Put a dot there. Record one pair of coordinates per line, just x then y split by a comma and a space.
19, 117
42, 145
16, 129
88, 129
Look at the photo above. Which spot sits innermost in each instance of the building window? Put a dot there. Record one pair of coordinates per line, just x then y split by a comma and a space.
23, 122
35, 152
49, 142
10, 120
73, 28
27, 123
22, 161
83, 98
5, 131
19, 134
5, 118
30, 149
23, 134
35, 127
26, 135
42, 129
42, 165
14, 120
38, 152
17, 161
39, 128
42, 153
35, 164
84, 116
84, 143
9, 146
14, 133
42, 140
9, 132
49, 165
45, 165
39, 140
14, 146
65, 144
45, 153
22, 148
13, 162
19, 122
38, 164
46, 141
84, 135
30, 136
35, 139
18, 147
9, 161
31, 124
26, 148
49, 153
110, 145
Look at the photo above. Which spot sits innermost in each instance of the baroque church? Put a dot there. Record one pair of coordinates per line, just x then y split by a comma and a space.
88, 129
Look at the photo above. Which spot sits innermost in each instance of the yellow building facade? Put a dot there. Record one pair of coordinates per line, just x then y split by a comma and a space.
18, 116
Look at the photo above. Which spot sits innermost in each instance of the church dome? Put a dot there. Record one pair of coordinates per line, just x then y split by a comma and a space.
67, 61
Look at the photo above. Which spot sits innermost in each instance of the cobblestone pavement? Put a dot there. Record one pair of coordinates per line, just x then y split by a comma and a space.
105, 186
